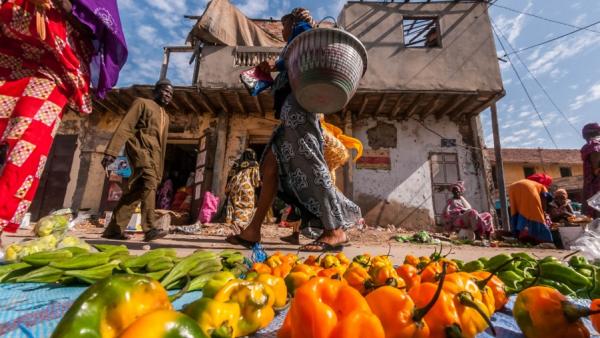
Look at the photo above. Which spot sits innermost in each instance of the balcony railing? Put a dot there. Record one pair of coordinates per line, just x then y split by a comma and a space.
252, 56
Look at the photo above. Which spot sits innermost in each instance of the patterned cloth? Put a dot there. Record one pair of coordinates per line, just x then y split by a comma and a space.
528, 218
459, 215
28, 125
165, 195
591, 181
304, 178
240, 202
41, 71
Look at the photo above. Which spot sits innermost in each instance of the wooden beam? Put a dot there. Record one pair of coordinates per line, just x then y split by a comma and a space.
410, 110
487, 103
206, 102
259, 105
238, 100
436, 101
459, 110
186, 100
381, 105
452, 105
222, 101
363, 106
396, 108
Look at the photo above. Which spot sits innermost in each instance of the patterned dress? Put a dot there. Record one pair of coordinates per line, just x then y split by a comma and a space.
528, 218
304, 177
38, 78
241, 197
459, 215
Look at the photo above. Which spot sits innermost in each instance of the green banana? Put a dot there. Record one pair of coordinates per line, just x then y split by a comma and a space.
159, 264
211, 265
182, 268
198, 282
9, 271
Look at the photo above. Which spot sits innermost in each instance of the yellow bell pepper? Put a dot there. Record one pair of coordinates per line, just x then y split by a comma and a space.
256, 304
278, 286
216, 319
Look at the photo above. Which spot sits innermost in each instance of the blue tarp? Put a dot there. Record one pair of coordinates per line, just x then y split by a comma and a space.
39, 307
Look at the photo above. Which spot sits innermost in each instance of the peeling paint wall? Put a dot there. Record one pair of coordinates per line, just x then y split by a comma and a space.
403, 195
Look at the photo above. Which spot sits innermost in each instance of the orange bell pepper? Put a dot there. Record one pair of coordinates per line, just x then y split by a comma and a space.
541, 311
431, 272
326, 308
411, 260
442, 316
261, 268
595, 318
358, 278
473, 313
409, 274
398, 313
386, 275
496, 286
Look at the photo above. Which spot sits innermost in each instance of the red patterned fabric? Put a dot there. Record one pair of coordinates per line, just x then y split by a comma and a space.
37, 79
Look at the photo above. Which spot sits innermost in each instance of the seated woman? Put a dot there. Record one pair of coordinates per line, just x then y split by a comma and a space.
243, 179
560, 208
294, 166
528, 202
460, 215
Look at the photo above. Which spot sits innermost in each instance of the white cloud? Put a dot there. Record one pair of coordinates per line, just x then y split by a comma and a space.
149, 35
169, 6
525, 114
548, 61
580, 19
254, 8
512, 27
593, 94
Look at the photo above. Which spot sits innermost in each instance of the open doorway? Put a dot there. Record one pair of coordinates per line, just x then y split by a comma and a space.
175, 192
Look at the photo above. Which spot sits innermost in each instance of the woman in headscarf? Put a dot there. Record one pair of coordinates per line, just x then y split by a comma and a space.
560, 208
590, 154
459, 214
529, 199
295, 156
243, 179
50, 51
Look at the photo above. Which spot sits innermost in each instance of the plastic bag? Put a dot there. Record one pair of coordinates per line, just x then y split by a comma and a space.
589, 243
16, 251
210, 204
255, 80
594, 201
52, 225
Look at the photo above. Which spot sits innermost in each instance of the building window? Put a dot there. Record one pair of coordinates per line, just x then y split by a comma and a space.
566, 172
528, 171
444, 173
421, 32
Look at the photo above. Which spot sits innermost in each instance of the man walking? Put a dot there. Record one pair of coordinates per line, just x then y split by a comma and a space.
143, 131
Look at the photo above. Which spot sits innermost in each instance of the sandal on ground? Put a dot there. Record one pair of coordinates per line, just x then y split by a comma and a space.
238, 240
322, 247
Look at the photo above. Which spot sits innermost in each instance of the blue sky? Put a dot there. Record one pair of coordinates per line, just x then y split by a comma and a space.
568, 69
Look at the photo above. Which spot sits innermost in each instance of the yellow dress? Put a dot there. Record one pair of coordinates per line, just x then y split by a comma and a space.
240, 190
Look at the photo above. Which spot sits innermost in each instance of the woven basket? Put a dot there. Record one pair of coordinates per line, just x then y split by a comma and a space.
324, 67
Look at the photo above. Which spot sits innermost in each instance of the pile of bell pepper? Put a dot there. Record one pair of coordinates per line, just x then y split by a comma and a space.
573, 276
138, 306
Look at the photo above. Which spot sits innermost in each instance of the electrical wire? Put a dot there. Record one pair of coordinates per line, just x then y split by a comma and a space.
494, 28
543, 18
536, 79
553, 39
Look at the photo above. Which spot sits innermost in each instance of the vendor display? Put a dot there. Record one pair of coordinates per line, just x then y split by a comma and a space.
318, 296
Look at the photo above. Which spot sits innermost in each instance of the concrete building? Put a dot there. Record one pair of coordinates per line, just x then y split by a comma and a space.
563, 165
432, 70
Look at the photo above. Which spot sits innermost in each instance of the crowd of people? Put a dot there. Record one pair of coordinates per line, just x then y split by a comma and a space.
51, 52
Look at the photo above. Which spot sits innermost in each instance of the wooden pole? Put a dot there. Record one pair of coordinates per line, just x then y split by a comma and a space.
500, 170
165, 64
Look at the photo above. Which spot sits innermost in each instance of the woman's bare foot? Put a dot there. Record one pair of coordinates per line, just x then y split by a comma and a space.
330, 239
294, 238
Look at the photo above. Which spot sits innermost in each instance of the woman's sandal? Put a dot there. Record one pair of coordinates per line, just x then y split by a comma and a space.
238, 240
291, 239
323, 247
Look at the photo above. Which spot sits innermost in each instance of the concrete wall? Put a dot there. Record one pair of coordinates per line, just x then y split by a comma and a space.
403, 195
514, 171
466, 60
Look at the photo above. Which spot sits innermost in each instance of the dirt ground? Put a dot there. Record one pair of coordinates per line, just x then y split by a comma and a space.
371, 240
